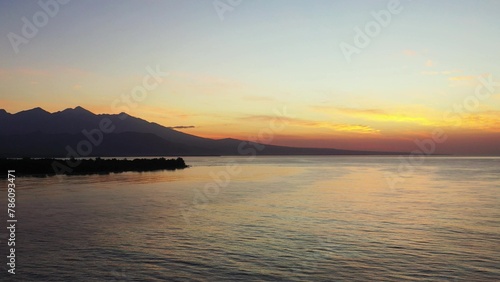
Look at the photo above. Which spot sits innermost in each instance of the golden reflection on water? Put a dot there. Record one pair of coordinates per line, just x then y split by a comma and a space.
188, 175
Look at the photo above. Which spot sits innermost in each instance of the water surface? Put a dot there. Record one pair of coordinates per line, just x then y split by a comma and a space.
266, 219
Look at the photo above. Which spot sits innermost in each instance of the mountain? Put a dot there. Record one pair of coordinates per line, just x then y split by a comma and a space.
38, 133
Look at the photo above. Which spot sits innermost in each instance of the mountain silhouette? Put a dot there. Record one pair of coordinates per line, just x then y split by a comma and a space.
38, 133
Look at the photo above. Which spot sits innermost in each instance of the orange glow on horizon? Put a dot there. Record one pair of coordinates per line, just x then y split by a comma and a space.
482, 128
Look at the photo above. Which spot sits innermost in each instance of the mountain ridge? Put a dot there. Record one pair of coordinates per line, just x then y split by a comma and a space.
39, 133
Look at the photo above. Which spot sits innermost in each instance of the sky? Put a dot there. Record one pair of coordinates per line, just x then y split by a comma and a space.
361, 75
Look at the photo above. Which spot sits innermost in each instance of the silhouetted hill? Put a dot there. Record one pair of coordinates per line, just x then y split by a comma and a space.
43, 145
75, 120
38, 133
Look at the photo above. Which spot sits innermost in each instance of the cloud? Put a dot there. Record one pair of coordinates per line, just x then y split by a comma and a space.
486, 120
265, 118
445, 72
462, 78
353, 111
182, 127
259, 98
358, 128
429, 63
376, 115
353, 128
410, 53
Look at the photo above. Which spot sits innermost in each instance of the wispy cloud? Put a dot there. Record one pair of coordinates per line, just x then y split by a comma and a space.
376, 115
483, 120
182, 127
462, 78
343, 127
444, 72
259, 98
409, 52
487, 121
358, 128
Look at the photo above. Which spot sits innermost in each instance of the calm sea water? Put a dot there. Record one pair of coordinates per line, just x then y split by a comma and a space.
267, 219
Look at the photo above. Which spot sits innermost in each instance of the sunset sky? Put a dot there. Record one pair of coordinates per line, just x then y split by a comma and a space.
230, 71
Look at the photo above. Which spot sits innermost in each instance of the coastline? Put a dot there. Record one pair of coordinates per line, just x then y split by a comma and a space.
51, 166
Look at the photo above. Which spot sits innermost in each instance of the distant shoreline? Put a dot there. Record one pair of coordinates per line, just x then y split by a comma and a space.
51, 166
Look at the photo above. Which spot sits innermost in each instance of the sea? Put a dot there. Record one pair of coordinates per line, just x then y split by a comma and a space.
266, 218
